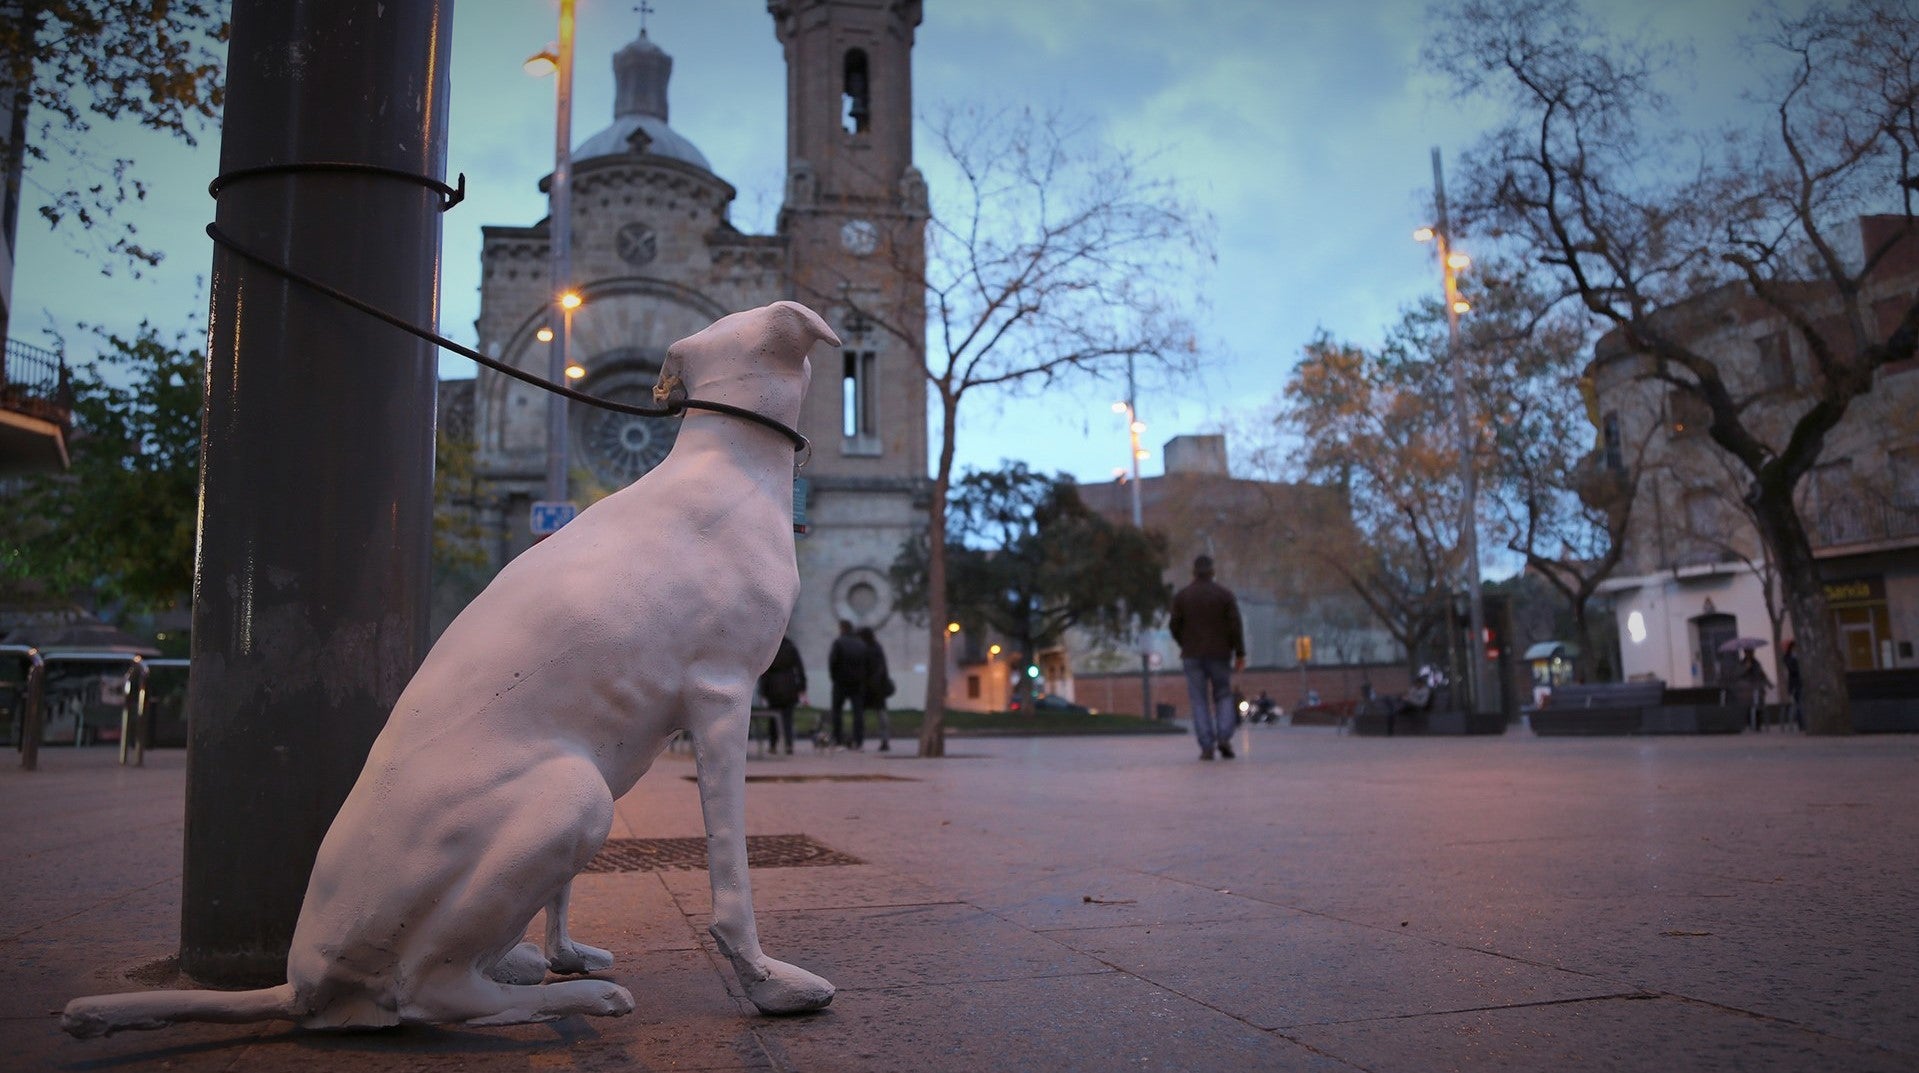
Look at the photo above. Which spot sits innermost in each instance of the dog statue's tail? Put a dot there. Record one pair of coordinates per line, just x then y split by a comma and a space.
103, 1015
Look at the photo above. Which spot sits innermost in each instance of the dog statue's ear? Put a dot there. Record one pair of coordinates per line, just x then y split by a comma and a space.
810, 324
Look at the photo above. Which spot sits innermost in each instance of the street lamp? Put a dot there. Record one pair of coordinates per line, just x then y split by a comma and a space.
1134, 426
559, 61
1451, 263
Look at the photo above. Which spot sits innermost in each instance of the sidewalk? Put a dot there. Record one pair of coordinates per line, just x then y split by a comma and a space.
1109, 903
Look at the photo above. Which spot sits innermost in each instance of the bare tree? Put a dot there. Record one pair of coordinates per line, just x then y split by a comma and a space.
1050, 256
1562, 489
1634, 225
72, 63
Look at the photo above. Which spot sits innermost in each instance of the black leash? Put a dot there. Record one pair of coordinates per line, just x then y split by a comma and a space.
675, 404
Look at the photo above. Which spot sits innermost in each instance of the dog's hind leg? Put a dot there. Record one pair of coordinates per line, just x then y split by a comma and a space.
719, 749
563, 955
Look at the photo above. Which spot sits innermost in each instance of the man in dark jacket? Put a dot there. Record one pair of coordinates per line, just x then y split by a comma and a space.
1212, 645
849, 664
783, 684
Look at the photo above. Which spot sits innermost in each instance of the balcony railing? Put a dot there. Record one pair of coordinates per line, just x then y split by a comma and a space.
1860, 523
36, 382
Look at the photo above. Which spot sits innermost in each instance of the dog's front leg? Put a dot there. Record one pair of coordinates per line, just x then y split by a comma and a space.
563, 954
719, 750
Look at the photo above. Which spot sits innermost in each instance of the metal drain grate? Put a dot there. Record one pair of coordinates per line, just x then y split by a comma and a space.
815, 778
689, 854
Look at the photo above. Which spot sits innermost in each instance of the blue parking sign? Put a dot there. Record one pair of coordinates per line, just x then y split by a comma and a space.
548, 517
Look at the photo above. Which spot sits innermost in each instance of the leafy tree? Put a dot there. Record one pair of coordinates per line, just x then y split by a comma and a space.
121, 521
1373, 425
77, 62
1028, 560
1632, 222
1053, 257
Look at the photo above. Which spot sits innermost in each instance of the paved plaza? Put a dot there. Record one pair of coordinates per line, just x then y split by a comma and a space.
1322, 903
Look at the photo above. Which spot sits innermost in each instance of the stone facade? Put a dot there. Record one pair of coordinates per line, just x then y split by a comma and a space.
656, 258
1694, 572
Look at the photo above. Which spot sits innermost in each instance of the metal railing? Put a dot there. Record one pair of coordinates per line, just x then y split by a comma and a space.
1860, 523
136, 722
36, 381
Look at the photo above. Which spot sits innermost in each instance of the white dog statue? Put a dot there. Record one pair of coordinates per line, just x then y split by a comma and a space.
494, 779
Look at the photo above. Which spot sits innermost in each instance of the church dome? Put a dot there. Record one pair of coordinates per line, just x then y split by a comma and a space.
640, 73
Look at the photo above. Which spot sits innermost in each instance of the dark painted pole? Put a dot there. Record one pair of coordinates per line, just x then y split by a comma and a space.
310, 588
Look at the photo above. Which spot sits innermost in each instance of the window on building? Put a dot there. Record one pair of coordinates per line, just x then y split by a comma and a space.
1687, 412
1902, 464
972, 687
1834, 508
856, 96
1706, 529
1612, 442
1775, 362
859, 419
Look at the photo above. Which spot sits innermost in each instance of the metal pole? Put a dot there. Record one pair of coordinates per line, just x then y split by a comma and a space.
32, 716
310, 585
1132, 429
560, 234
1468, 473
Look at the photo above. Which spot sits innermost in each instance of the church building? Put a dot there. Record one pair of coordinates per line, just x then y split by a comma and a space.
655, 258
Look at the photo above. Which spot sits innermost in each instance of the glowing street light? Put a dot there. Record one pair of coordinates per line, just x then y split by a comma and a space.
545, 334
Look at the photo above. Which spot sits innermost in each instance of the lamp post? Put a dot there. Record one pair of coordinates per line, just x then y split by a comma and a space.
1134, 426
559, 193
1451, 263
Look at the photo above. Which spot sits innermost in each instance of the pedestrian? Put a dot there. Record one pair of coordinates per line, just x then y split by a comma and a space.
1794, 686
1212, 645
879, 685
1754, 683
782, 687
846, 665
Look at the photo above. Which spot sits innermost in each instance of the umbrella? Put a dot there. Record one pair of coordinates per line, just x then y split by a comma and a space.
1741, 644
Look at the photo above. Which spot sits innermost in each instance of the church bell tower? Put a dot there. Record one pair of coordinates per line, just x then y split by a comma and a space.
854, 218
854, 222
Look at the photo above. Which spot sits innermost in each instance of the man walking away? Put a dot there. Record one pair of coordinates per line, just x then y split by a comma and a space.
1212, 645
847, 663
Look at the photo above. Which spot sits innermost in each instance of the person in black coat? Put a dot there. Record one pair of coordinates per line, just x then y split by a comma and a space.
782, 686
879, 685
846, 664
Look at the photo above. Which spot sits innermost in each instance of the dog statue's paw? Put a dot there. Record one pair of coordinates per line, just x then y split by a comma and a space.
775, 987
788, 989
573, 959
524, 964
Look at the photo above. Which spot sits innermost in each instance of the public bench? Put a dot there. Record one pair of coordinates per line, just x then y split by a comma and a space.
1884, 702
1617, 708
1389, 716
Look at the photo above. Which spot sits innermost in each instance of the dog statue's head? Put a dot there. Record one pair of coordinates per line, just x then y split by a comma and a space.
748, 359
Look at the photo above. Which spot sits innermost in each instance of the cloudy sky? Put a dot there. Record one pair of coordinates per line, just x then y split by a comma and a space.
1304, 129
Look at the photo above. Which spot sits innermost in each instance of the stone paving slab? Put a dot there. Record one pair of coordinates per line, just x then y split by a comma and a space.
1290, 968
1624, 1035
1323, 903
1071, 1024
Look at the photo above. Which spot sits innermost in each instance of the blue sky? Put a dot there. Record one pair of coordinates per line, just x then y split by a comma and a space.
1304, 129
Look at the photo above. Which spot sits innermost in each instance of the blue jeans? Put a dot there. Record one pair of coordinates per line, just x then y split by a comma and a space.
1209, 686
